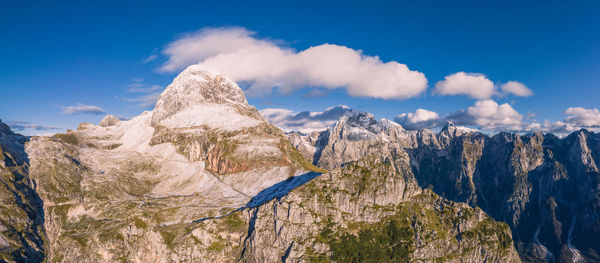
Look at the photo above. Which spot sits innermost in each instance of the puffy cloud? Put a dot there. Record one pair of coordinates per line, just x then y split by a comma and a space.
516, 88
304, 121
421, 119
583, 117
263, 64
577, 118
478, 86
490, 115
83, 109
461, 83
485, 114
23, 125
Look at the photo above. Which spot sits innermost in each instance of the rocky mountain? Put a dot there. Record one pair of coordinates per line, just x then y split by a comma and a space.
545, 188
203, 178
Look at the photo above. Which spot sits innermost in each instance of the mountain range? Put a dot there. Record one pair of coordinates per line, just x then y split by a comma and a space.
203, 177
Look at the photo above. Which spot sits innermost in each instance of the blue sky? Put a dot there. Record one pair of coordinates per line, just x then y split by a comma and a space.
56, 55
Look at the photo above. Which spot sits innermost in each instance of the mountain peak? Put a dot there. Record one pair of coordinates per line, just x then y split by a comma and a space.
449, 125
358, 119
450, 129
195, 86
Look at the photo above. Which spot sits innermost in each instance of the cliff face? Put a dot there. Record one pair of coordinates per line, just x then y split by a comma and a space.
542, 186
22, 233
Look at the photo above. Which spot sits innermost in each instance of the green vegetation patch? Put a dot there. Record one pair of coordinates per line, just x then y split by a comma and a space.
390, 240
69, 138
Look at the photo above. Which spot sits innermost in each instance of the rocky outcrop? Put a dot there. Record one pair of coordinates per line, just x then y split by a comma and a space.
304, 143
109, 120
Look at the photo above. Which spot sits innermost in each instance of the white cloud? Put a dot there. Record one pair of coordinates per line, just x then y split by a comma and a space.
583, 117
516, 88
490, 115
304, 121
421, 119
478, 86
485, 114
420, 115
82, 108
577, 118
472, 84
263, 64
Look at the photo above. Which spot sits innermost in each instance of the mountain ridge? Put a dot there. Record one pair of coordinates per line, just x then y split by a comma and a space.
503, 174
173, 184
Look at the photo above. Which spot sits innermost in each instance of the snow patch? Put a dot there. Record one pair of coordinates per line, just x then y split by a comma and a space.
219, 116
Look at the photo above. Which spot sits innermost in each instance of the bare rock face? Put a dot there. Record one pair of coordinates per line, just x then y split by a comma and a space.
109, 120
304, 143
22, 233
538, 184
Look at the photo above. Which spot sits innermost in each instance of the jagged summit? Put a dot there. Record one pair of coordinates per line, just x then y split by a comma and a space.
452, 130
195, 86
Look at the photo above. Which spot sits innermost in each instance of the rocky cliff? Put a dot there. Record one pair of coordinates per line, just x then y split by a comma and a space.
22, 233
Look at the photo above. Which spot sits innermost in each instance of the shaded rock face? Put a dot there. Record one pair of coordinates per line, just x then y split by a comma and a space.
304, 143
22, 235
540, 185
